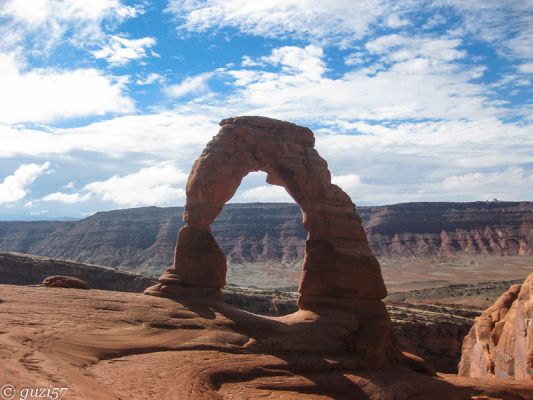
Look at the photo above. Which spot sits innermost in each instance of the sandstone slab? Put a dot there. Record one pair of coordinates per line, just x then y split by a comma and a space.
108, 345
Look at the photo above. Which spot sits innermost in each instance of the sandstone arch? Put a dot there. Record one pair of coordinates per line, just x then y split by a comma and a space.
339, 269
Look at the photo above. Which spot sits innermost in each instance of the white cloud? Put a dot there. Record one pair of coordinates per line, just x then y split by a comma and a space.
49, 20
264, 194
120, 50
67, 198
512, 183
294, 60
526, 68
427, 85
343, 20
506, 25
15, 187
192, 85
350, 183
355, 58
396, 48
159, 185
149, 79
394, 21
45, 95
169, 134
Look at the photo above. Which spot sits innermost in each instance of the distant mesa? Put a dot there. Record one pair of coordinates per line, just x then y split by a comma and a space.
500, 344
65, 282
339, 269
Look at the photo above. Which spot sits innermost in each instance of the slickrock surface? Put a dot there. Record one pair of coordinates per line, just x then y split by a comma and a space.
500, 343
431, 331
108, 345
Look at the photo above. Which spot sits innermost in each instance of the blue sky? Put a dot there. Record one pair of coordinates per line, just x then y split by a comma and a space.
105, 104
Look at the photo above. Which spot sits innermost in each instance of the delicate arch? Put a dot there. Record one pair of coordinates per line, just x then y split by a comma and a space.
338, 268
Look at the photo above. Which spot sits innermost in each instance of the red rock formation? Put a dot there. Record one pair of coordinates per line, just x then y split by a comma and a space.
107, 345
65, 282
501, 341
339, 269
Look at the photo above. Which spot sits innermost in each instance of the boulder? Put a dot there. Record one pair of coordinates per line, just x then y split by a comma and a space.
65, 282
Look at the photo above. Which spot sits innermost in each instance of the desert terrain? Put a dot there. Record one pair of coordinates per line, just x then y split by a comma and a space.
112, 345
335, 338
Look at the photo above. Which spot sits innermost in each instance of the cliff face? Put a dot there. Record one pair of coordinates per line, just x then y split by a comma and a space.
429, 229
143, 239
500, 343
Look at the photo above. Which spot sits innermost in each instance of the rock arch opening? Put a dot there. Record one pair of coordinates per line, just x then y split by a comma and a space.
339, 269
262, 235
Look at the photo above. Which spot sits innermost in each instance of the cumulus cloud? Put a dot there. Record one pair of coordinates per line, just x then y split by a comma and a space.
264, 193
350, 183
15, 187
120, 50
512, 183
343, 22
194, 85
526, 68
46, 95
160, 185
149, 79
316, 19
167, 134
490, 21
395, 47
50, 20
294, 60
419, 82
67, 198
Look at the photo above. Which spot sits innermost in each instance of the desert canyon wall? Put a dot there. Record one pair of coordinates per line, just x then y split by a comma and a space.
143, 239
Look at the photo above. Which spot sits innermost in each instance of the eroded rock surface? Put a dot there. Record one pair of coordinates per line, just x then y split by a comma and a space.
338, 266
501, 341
339, 273
108, 345
65, 282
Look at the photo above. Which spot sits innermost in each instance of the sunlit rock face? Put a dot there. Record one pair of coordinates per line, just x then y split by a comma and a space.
339, 273
500, 343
